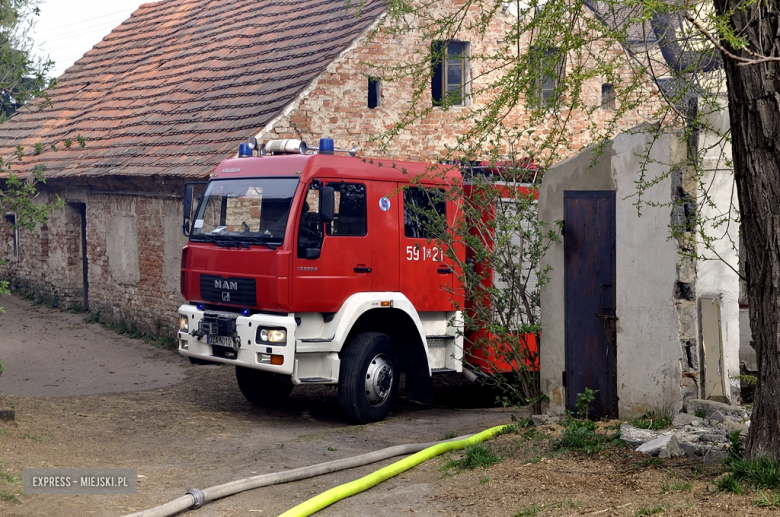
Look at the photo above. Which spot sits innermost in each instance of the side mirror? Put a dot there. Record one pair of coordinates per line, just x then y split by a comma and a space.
327, 204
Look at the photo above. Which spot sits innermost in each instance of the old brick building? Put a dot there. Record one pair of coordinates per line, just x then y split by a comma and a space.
170, 93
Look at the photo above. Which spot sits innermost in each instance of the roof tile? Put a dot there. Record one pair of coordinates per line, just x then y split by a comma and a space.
198, 73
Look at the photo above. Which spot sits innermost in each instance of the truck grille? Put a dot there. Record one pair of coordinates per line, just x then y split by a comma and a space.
231, 290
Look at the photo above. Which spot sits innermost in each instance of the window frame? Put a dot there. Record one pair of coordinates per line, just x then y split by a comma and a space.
422, 220
546, 84
440, 64
608, 97
374, 83
335, 185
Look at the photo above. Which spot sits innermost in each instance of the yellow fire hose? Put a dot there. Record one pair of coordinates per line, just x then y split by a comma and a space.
338, 493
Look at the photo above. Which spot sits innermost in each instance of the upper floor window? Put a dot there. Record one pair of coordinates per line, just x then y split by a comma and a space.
450, 70
374, 92
547, 65
607, 97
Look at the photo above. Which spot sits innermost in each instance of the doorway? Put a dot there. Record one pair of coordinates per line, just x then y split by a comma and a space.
589, 299
81, 211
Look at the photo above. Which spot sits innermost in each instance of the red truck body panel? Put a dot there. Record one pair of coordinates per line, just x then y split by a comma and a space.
286, 283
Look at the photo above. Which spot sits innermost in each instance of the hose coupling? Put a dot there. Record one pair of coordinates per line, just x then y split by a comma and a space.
199, 497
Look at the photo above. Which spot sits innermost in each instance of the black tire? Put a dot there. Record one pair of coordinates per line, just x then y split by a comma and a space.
368, 380
262, 388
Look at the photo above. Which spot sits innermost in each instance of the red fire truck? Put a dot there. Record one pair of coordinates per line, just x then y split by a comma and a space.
315, 268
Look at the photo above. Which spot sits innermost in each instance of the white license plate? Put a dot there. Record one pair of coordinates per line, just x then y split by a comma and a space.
225, 341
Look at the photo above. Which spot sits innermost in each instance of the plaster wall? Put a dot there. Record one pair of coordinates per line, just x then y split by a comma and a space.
577, 173
717, 277
648, 346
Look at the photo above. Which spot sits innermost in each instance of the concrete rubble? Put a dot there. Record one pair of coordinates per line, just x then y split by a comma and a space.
701, 432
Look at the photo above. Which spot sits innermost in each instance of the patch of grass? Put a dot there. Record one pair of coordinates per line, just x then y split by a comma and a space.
508, 429
768, 500
759, 473
332, 449
76, 308
729, 483
653, 420
651, 511
10, 478
5, 495
533, 434
477, 455
446, 436
675, 486
581, 435
94, 317
484, 480
524, 422
699, 413
529, 511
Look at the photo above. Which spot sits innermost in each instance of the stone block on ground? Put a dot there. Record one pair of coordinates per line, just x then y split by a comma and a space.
682, 419
693, 450
634, 437
663, 447
715, 456
713, 438
732, 425
710, 407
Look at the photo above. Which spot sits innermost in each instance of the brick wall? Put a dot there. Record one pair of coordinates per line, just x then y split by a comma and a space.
335, 105
133, 245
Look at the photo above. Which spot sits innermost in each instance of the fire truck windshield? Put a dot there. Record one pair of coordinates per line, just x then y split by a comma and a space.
244, 211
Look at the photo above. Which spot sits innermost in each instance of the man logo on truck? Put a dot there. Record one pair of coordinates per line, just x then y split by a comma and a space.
224, 284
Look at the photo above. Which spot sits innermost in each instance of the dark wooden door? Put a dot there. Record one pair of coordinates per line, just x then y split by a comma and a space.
589, 298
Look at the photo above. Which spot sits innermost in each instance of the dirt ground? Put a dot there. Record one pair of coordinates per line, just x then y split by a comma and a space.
195, 430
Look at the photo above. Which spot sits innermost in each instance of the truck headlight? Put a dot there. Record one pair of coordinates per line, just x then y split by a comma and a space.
278, 336
184, 324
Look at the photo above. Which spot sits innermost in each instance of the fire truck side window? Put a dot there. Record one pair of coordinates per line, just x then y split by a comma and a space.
418, 203
310, 230
350, 212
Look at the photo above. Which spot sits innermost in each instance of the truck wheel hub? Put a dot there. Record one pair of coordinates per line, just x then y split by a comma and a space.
379, 380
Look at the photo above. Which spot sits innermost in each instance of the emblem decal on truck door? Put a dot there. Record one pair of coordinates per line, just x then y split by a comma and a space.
384, 204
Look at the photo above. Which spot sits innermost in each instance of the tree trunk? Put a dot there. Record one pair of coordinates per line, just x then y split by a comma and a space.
754, 108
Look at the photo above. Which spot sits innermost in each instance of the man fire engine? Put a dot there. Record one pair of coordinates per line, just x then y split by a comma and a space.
314, 268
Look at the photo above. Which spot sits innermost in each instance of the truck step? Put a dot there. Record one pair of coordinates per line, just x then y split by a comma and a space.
443, 370
445, 336
316, 379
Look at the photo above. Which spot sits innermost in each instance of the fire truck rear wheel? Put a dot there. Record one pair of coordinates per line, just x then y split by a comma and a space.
368, 381
262, 388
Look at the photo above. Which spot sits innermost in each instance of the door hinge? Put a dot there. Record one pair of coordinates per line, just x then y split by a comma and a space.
563, 379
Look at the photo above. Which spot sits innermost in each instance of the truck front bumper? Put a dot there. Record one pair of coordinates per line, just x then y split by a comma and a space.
242, 346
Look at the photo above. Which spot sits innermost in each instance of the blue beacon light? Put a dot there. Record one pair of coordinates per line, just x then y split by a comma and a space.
326, 146
244, 151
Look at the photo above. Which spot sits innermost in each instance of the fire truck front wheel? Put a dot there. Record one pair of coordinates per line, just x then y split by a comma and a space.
262, 388
369, 376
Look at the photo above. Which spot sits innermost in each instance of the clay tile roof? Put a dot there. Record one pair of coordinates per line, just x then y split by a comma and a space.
203, 74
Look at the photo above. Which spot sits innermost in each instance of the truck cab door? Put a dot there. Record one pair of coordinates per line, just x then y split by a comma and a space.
426, 273
322, 281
